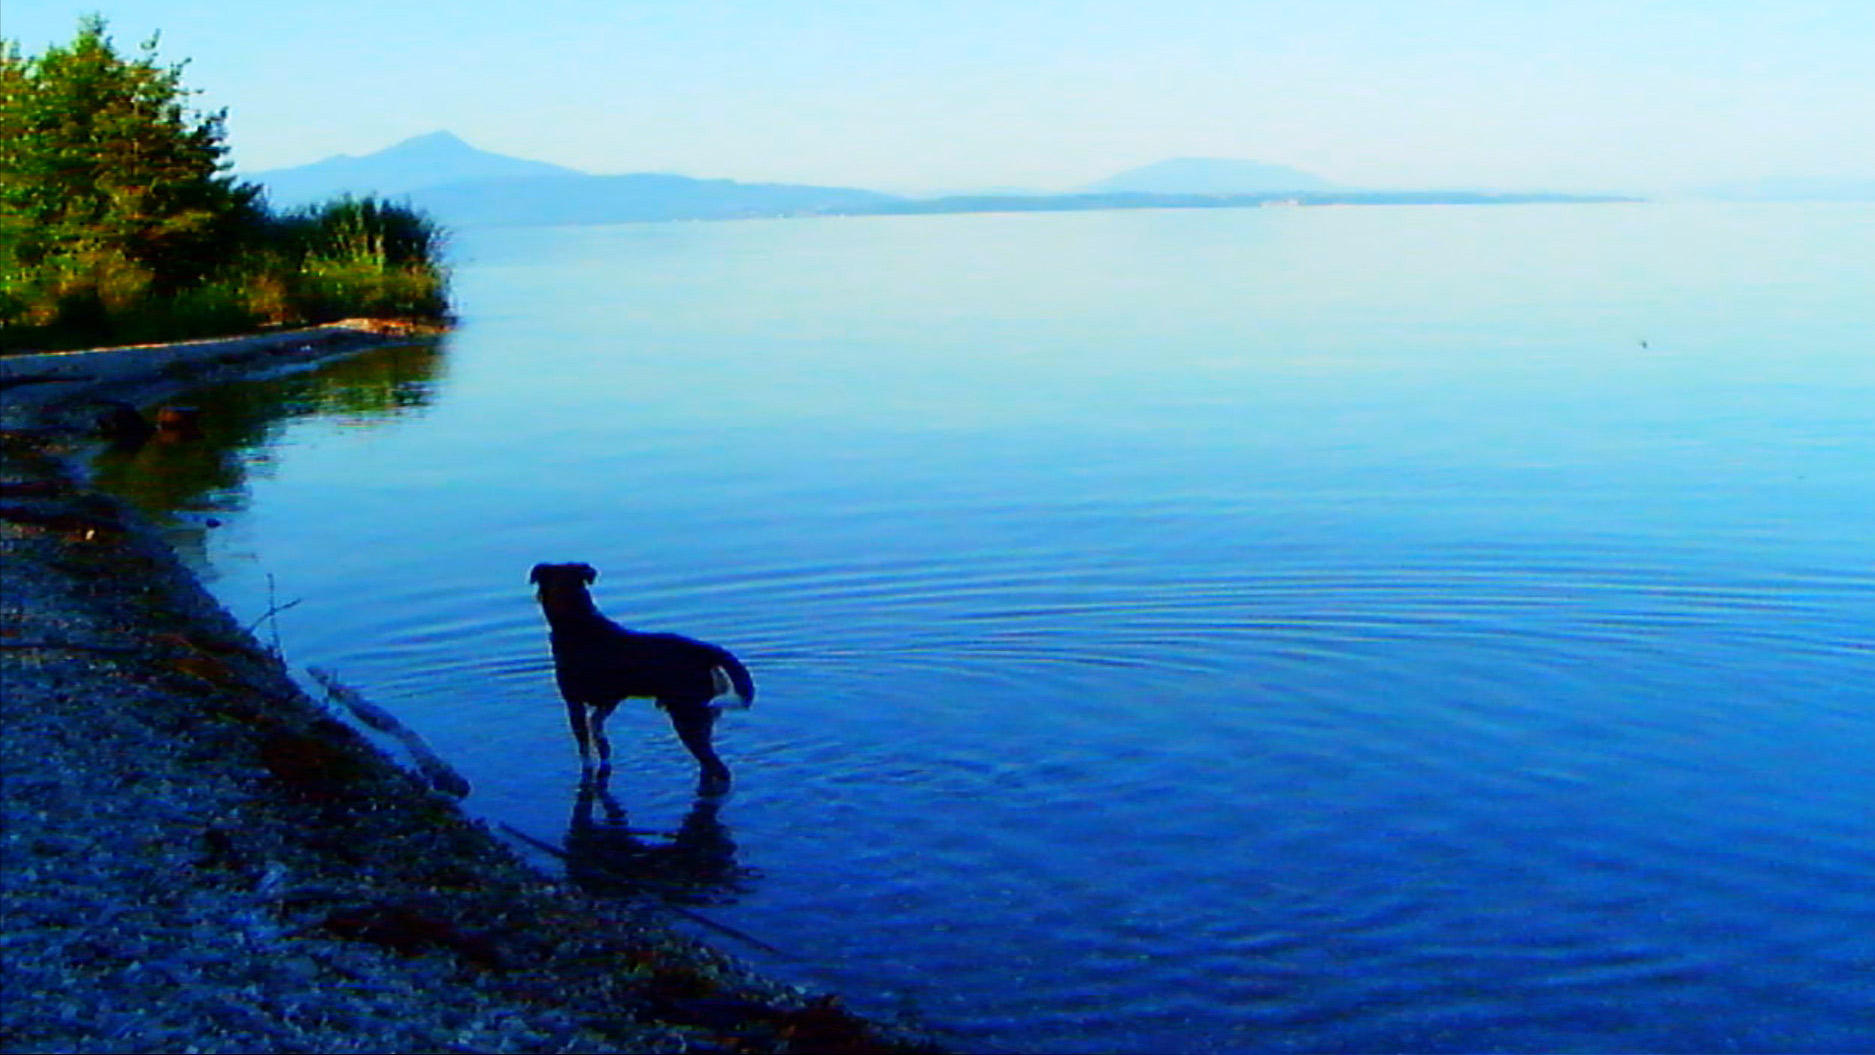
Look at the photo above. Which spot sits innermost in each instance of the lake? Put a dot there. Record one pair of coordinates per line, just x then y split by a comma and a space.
1287, 629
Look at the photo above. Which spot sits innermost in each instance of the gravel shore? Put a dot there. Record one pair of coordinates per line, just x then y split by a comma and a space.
198, 857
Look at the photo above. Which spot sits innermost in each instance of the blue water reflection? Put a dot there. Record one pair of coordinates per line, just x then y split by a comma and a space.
1434, 629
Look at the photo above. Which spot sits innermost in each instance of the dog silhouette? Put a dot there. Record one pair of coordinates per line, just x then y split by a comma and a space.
598, 663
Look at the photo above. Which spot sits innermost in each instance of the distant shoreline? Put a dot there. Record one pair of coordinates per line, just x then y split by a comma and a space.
1105, 202
592, 201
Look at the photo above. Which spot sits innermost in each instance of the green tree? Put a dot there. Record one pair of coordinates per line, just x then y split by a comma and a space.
110, 184
119, 219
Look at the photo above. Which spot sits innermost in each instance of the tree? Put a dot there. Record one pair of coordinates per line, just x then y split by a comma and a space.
107, 176
119, 220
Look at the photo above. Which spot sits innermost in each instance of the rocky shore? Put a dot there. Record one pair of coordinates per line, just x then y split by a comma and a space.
196, 857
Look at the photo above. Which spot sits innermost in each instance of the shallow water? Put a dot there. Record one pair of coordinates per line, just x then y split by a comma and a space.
1288, 629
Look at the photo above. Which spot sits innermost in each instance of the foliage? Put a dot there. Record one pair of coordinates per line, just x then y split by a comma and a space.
118, 220
104, 165
364, 229
364, 256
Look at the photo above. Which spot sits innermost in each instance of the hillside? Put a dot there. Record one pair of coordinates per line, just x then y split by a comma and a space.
424, 161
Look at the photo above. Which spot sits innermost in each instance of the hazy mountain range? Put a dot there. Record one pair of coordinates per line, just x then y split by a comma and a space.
463, 186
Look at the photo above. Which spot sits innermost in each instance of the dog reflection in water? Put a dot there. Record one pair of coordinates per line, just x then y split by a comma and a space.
696, 864
598, 663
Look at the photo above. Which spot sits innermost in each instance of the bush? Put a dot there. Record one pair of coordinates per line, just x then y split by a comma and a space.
364, 257
336, 289
363, 229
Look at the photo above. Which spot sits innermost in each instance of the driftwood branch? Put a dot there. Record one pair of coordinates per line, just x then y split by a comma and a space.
440, 774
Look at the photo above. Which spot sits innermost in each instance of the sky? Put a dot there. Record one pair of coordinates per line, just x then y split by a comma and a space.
953, 95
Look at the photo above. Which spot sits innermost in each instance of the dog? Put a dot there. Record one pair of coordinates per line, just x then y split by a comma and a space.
598, 663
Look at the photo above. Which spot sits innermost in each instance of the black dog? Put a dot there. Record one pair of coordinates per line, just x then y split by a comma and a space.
597, 663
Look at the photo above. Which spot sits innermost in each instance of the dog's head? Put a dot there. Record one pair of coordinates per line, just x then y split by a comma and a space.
562, 587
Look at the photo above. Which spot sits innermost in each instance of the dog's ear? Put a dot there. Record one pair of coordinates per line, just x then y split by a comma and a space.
542, 571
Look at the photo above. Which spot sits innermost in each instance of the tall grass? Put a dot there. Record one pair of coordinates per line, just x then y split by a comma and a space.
346, 258
362, 256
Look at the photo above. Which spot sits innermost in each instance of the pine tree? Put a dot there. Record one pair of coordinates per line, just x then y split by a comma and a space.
109, 182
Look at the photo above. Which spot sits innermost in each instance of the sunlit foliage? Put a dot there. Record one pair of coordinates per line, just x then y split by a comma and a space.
119, 219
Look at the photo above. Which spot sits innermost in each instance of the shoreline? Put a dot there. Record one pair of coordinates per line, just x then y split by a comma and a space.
198, 856
39, 391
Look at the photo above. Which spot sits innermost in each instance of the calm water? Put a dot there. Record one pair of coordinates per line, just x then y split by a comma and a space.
1432, 629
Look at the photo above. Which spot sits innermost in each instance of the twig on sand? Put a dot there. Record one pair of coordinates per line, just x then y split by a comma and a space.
273, 609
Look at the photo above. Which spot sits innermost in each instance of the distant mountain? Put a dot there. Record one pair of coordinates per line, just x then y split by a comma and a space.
425, 161
579, 199
1210, 176
464, 187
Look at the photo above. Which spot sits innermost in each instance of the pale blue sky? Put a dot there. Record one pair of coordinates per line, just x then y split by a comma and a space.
1642, 95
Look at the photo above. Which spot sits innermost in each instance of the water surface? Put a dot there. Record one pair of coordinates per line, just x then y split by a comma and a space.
1433, 629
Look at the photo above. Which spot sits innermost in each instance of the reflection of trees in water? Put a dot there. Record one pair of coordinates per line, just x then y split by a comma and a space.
695, 865
207, 471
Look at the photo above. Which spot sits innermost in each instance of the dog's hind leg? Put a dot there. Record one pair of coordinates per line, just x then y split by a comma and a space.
695, 721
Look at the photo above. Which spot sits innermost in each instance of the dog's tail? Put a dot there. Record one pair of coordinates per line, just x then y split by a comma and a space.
729, 675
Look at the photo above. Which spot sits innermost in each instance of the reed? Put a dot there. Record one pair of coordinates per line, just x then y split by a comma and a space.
354, 257
362, 256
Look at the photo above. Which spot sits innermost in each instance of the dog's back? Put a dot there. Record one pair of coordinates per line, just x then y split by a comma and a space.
596, 660
608, 662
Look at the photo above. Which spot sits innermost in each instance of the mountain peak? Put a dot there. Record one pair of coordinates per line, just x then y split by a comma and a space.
429, 160
432, 142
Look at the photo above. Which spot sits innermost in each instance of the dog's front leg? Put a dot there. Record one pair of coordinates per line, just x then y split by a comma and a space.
600, 712
576, 717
